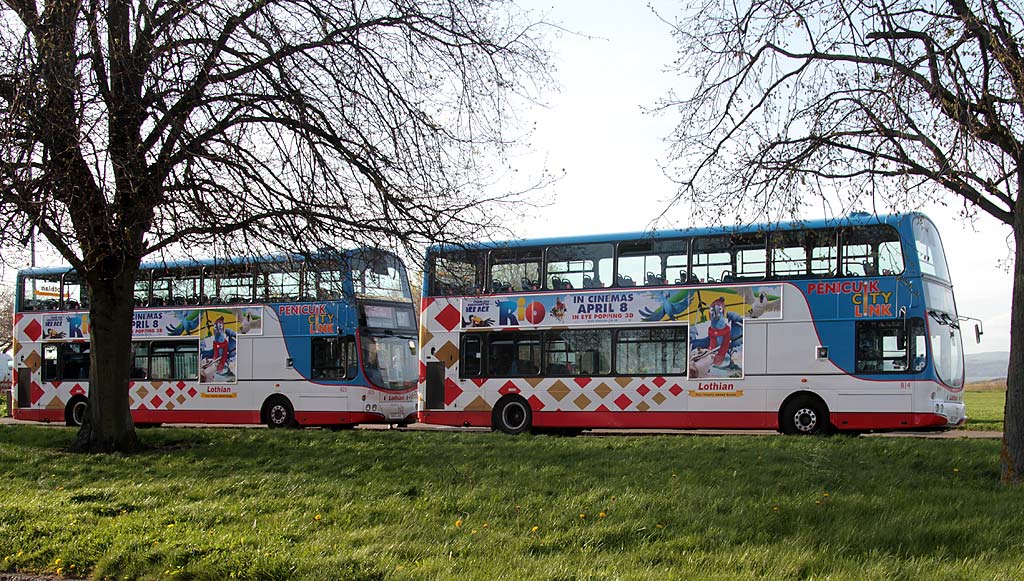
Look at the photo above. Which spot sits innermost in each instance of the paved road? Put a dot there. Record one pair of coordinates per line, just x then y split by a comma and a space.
602, 432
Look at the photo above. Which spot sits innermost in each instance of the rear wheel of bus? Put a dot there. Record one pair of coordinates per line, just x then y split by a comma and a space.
805, 415
279, 413
74, 412
512, 415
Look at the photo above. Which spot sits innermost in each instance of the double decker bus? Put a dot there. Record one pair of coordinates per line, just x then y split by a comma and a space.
804, 328
328, 340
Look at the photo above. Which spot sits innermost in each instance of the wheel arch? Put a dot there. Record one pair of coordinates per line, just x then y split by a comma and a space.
500, 405
270, 401
798, 394
69, 410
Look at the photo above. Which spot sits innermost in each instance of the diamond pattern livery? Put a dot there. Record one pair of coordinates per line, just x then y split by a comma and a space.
449, 317
623, 401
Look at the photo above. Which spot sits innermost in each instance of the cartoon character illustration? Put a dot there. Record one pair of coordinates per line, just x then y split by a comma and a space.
52, 334
189, 324
218, 349
475, 321
762, 304
220, 343
670, 310
75, 326
558, 311
252, 322
723, 341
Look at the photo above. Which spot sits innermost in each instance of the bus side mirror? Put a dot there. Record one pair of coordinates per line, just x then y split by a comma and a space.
978, 332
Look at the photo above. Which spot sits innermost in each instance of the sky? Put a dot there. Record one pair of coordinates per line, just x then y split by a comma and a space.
595, 129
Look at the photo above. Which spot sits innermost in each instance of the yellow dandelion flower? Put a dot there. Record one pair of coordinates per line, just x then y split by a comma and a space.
534, 529
317, 517
583, 515
458, 523
673, 475
659, 526
775, 509
601, 514
817, 502
60, 571
473, 532
825, 495
486, 525
170, 526
956, 471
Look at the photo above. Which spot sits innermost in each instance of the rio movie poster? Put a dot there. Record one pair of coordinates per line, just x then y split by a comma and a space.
716, 333
218, 346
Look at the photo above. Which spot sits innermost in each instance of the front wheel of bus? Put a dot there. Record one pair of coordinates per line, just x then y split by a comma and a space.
278, 413
805, 415
512, 415
74, 412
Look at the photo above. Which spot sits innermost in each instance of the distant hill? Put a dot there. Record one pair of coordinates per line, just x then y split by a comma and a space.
988, 365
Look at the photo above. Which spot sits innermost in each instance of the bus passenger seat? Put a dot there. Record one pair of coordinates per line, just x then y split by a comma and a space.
654, 280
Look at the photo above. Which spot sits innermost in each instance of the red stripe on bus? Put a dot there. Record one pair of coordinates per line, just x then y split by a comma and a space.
689, 420
39, 415
312, 418
885, 421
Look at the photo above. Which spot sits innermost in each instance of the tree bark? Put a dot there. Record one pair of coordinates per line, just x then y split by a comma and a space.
1012, 453
108, 426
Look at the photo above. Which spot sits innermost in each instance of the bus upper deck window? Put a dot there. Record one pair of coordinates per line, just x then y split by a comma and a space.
579, 266
824, 252
652, 262
142, 289
789, 254
281, 286
711, 259
40, 292
74, 292
871, 251
455, 273
930, 256
227, 284
379, 275
751, 257
515, 270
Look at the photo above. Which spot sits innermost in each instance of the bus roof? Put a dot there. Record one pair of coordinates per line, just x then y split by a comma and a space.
852, 219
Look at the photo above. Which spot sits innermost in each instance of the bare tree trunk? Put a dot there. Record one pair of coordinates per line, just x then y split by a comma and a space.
108, 426
1012, 453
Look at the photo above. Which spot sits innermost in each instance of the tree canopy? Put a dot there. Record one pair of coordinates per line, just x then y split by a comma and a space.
871, 100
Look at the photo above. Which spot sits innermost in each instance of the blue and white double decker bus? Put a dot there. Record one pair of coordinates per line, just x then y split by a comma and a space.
828, 325
285, 341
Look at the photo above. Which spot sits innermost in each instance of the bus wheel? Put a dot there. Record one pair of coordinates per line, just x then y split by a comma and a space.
74, 412
805, 415
278, 413
512, 415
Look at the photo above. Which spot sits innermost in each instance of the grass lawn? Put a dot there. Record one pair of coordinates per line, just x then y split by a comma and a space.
984, 410
262, 504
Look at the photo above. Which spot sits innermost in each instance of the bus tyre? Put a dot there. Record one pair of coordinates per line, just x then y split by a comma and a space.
278, 413
805, 415
74, 412
512, 415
